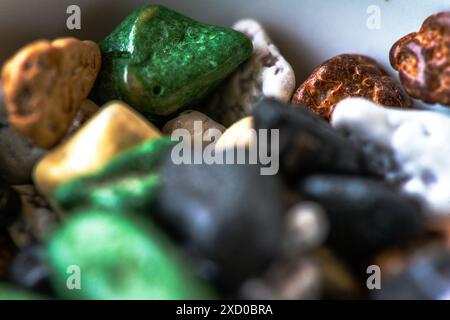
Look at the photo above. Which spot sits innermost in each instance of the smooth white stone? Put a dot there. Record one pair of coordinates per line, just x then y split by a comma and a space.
265, 74
418, 140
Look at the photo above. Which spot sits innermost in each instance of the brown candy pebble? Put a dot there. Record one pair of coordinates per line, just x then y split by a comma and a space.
44, 84
345, 76
422, 60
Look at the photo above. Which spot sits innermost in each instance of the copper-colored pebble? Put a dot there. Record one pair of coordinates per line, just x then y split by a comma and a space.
422, 60
345, 76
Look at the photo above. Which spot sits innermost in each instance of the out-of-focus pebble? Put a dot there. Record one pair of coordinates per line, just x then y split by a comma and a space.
127, 183
306, 227
306, 142
229, 216
118, 259
412, 148
365, 216
241, 134
294, 279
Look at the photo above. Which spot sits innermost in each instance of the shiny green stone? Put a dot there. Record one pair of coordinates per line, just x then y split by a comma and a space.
118, 259
126, 184
158, 60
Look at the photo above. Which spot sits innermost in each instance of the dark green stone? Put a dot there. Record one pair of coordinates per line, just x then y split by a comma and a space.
118, 258
126, 184
158, 60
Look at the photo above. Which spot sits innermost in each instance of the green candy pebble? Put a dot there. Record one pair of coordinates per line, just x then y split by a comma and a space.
126, 184
158, 60
118, 259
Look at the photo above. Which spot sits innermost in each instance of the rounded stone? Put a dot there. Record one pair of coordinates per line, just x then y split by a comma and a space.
306, 143
422, 60
45, 83
227, 216
365, 216
408, 148
345, 76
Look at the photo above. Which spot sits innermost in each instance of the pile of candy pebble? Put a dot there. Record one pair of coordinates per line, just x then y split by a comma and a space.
93, 205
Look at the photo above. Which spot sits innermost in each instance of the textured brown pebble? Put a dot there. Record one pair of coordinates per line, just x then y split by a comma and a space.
349, 75
44, 84
423, 60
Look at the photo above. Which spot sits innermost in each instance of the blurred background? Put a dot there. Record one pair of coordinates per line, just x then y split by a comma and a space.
306, 31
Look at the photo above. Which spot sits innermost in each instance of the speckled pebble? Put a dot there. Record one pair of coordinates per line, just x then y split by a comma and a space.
265, 74
411, 147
